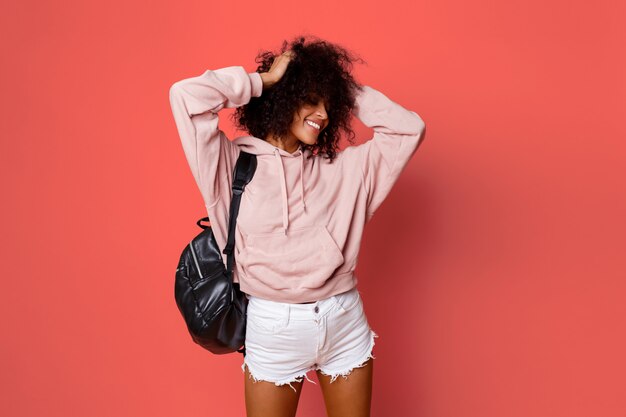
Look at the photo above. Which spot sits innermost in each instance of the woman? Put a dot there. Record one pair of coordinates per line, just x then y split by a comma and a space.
301, 216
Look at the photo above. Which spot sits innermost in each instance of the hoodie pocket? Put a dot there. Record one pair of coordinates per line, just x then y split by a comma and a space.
303, 258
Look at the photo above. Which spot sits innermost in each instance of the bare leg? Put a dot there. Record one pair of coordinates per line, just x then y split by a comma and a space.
264, 399
349, 397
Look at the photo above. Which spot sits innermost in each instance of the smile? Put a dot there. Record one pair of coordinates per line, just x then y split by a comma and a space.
313, 124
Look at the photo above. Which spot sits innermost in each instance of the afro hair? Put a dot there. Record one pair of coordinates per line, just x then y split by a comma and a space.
317, 70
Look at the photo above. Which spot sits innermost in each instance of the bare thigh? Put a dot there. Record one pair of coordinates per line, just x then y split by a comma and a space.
264, 398
351, 397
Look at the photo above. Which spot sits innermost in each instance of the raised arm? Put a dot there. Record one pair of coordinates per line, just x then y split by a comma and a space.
397, 135
195, 103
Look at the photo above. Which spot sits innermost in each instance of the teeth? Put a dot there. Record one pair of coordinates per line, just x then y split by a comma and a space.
315, 125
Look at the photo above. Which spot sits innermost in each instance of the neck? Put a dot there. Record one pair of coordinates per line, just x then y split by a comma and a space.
291, 145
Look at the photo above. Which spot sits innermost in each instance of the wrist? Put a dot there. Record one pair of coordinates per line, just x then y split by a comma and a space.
267, 79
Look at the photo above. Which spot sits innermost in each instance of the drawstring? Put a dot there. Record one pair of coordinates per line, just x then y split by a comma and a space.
283, 186
301, 180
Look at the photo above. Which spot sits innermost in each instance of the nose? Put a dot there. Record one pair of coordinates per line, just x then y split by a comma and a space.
321, 110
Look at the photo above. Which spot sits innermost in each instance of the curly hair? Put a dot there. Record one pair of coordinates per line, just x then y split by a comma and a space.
318, 70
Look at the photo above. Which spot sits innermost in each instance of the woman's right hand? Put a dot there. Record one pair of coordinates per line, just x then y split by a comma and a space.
277, 70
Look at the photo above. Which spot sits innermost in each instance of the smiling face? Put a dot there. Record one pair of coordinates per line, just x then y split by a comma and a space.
309, 120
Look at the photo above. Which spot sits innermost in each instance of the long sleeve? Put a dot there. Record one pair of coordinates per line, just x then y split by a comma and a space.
195, 103
397, 135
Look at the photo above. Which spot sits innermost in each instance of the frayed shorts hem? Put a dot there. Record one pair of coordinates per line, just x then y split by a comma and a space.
344, 373
287, 381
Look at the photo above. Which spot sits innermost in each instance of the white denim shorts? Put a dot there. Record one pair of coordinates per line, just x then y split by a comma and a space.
285, 341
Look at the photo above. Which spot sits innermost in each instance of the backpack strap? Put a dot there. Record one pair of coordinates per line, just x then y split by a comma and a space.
244, 171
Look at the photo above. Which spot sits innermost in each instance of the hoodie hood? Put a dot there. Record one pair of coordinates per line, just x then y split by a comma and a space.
258, 147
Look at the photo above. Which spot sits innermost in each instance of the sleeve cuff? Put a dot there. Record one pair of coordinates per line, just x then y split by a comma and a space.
257, 83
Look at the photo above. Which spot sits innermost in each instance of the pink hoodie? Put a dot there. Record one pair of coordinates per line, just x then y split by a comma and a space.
301, 220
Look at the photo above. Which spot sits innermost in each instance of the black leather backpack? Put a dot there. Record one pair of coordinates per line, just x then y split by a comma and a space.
213, 306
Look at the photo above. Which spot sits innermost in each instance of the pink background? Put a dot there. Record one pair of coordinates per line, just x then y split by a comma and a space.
493, 273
